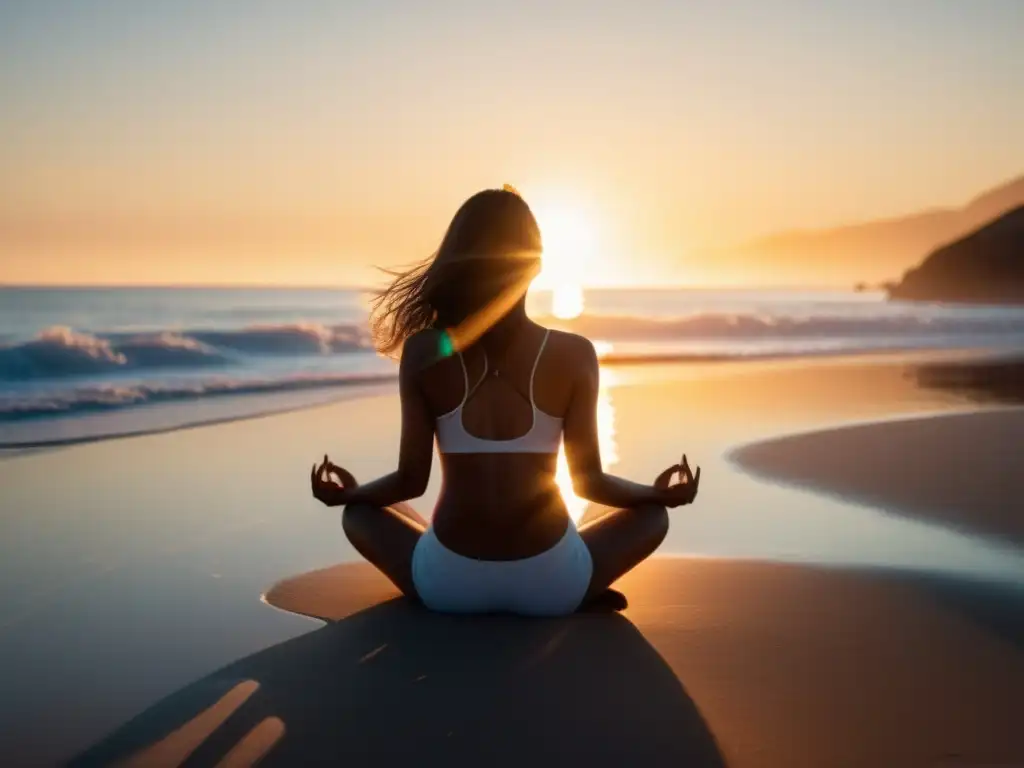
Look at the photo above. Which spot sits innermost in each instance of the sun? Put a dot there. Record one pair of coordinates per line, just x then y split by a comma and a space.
569, 247
567, 301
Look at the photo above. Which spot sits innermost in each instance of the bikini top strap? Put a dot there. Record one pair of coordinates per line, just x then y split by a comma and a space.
533, 373
465, 379
465, 374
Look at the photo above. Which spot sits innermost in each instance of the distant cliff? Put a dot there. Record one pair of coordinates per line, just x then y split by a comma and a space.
985, 267
870, 251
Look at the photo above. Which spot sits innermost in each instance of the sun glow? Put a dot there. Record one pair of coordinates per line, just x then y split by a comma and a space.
567, 301
605, 440
570, 247
571, 254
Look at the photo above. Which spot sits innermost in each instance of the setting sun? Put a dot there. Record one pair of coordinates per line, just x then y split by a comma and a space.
566, 301
570, 244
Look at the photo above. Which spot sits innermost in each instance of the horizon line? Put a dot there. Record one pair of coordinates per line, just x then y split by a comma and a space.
369, 289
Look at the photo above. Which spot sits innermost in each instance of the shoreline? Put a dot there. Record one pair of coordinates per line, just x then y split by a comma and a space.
966, 370
338, 393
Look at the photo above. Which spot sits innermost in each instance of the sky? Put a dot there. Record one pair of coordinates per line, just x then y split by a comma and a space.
307, 142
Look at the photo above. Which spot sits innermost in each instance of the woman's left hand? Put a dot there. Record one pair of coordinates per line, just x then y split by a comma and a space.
326, 489
683, 492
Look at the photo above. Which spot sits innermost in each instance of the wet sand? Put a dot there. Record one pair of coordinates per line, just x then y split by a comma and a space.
870, 647
962, 470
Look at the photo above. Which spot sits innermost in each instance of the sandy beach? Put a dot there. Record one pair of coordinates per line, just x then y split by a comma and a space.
962, 470
779, 626
772, 665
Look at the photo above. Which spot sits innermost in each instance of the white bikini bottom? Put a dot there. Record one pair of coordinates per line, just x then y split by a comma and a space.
552, 583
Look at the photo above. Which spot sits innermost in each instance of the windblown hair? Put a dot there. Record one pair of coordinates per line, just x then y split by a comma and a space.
492, 244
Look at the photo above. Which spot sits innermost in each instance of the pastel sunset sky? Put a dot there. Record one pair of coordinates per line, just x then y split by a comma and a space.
304, 142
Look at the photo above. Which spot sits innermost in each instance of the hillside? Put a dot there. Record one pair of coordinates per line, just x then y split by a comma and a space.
871, 251
986, 267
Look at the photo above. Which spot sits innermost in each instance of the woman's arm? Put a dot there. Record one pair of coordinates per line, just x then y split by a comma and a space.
416, 448
589, 480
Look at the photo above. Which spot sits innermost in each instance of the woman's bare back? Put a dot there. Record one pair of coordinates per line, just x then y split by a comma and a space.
502, 506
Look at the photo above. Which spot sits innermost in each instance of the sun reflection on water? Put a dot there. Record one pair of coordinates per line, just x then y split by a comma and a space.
605, 439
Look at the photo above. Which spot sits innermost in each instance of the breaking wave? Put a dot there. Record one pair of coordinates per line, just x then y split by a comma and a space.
58, 353
112, 397
742, 327
66, 372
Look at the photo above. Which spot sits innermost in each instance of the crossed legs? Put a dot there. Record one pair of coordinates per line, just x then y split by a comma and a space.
618, 541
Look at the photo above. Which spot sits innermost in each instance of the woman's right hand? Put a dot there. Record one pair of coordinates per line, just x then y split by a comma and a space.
683, 492
326, 489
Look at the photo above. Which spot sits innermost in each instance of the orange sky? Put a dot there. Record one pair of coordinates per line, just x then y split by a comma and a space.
184, 143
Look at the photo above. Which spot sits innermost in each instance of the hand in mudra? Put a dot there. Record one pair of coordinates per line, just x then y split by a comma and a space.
683, 492
326, 488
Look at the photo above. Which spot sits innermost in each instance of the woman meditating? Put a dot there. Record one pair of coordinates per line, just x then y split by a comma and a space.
499, 392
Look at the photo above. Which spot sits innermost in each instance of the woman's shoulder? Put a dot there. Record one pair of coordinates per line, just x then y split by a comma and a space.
571, 347
425, 348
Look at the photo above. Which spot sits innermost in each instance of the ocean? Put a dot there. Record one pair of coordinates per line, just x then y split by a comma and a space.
79, 364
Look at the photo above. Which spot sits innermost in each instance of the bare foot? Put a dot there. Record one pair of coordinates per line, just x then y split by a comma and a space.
609, 601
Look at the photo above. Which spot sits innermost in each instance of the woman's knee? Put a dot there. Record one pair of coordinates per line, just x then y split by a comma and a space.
356, 520
655, 520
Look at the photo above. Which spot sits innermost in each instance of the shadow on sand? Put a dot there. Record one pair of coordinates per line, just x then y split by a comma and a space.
394, 684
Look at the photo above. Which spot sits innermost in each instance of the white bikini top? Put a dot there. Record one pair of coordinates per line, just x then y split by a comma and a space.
544, 435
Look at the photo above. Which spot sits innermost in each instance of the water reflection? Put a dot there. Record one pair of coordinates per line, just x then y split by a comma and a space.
983, 381
606, 441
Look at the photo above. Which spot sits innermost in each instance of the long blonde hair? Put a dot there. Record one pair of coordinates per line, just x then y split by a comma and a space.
492, 246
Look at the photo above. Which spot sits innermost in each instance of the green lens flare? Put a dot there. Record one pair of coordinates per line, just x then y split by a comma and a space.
446, 345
